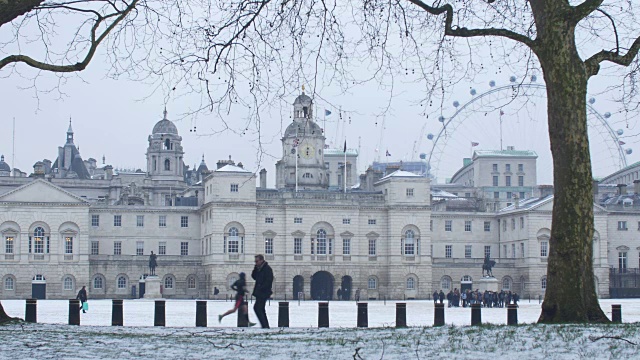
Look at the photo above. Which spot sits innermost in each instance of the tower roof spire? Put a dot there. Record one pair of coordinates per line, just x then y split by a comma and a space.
70, 130
165, 113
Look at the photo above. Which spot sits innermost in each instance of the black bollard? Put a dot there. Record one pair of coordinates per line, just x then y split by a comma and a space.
438, 315
116, 313
159, 316
243, 319
476, 315
283, 314
512, 314
363, 316
401, 315
74, 312
323, 314
201, 313
616, 313
31, 311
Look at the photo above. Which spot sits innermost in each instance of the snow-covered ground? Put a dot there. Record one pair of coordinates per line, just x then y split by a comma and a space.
181, 340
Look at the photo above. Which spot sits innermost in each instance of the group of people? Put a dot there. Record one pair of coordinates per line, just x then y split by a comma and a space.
487, 298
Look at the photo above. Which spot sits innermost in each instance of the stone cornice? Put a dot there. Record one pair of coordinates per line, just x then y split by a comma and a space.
45, 204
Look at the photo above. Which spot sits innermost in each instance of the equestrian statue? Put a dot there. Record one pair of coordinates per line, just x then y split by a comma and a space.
487, 266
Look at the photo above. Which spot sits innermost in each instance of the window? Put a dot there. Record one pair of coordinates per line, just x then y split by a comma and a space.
184, 248
467, 251
117, 220
268, 246
506, 284
409, 192
321, 242
97, 282
233, 241
139, 248
521, 222
509, 194
495, 181
372, 284
307, 175
467, 225
445, 283
507, 180
409, 243
191, 282
507, 167
140, 220
544, 249
513, 250
234, 187
8, 244
522, 250
520, 167
38, 240
504, 251
9, 284
487, 226
346, 246
297, 246
184, 221
372, 247
268, 220
95, 220
122, 282
622, 261
622, 225
162, 221
167, 164
447, 225
522, 195
447, 251
411, 283
297, 220
430, 225
346, 221
495, 167
504, 225
543, 283
496, 195
117, 248
487, 250
372, 221
95, 248
67, 284
513, 224
162, 248
520, 180
168, 282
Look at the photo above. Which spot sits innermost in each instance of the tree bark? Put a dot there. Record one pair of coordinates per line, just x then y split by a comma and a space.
11, 9
3, 316
570, 294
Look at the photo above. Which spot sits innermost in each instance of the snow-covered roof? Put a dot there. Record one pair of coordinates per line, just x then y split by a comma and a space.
437, 193
527, 203
232, 168
506, 153
400, 173
340, 152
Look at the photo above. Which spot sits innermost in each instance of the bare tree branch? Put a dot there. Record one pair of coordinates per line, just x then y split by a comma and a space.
583, 10
593, 63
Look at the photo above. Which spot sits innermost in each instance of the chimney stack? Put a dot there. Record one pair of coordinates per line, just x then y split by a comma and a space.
622, 189
108, 171
636, 187
263, 178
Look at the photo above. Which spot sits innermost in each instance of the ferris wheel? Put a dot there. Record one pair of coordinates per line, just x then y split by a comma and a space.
515, 116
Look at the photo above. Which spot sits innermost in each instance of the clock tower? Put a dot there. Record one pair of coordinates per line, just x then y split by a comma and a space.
302, 143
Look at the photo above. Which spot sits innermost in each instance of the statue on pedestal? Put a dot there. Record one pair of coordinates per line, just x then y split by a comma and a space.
487, 266
152, 263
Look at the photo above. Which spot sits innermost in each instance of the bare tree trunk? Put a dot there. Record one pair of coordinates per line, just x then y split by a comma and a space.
570, 295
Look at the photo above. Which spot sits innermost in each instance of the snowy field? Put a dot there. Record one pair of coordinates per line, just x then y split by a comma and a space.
181, 340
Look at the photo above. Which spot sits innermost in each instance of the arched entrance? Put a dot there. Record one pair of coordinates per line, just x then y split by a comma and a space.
322, 286
466, 283
346, 287
39, 287
298, 287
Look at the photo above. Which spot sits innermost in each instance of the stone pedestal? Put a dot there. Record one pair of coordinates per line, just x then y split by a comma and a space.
487, 283
152, 287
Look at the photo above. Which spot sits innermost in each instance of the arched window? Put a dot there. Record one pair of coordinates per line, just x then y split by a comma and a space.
168, 282
191, 282
122, 282
9, 284
167, 164
466, 279
445, 283
167, 144
543, 283
506, 284
233, 241
67, 283
97, 282
38, 240
411, 283
372, 283
322, 242
307, 176
409, 243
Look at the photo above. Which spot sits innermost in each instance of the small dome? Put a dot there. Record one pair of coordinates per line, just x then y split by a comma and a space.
303, 100
306, 128
3, 165
165, 126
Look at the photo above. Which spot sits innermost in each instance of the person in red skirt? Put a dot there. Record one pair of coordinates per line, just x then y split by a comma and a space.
240, 286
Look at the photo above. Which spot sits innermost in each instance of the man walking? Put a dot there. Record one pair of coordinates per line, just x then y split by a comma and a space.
82, 296
263, 275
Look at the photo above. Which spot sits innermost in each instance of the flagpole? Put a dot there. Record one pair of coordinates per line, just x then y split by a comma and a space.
297, 169
345, 165
500, 129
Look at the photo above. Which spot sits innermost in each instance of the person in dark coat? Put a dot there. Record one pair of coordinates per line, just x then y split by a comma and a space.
240, 286
435, 296
82, 296
339, 293
263, 275
441, 296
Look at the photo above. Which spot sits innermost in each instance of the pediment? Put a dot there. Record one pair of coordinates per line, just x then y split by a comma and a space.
347, 234
372, 235
269, 233
10, 230
40, 191
544, 237
298, 233
623, 248
69, 231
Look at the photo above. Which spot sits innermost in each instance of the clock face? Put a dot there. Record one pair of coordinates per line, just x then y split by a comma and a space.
307, 151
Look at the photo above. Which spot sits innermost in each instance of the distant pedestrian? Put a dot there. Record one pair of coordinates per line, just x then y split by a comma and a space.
435, 296
240, 286
441, 296
263, 275
339, 293
357, 294
82, 296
